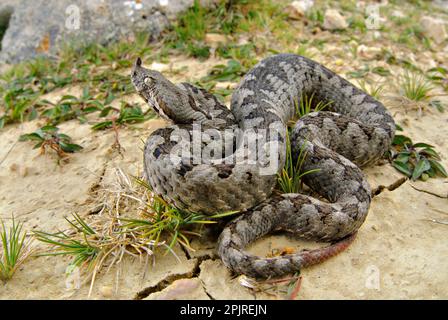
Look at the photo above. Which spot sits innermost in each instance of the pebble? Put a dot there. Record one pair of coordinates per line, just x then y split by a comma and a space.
333, 20
214, 39
368, 53
106, 291
157, 66
434, 29
297, 9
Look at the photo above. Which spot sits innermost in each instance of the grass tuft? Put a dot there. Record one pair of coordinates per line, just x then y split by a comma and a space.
415, 87
117, 230
308, 104
15, 249
375, 90
290, 178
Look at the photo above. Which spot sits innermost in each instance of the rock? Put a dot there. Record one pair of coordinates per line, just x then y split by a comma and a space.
398, 14
297, 9
6, 9
40, 27
333, 20
226, 85
182, 289
434, 29
214, 39
106, 291
368, 53
161, 67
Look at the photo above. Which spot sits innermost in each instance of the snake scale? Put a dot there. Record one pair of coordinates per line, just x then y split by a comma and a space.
354, 132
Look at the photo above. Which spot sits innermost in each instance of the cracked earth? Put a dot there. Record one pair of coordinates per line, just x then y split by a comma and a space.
400, 251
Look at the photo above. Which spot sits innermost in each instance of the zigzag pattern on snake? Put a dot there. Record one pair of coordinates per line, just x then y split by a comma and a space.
354, 132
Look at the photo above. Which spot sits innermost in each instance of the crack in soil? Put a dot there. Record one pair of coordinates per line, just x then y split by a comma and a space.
164, 283
167, 281
199, 273
391, 187
96, 186
430, 192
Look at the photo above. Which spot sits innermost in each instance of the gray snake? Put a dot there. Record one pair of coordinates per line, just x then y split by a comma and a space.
234, 162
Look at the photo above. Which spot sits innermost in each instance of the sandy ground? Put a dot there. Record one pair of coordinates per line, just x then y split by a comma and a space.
399, 252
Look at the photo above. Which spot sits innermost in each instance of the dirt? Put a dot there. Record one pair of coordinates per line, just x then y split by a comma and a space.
400, 251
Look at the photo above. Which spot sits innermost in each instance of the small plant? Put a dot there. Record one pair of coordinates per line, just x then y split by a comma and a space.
375, 90
48, 137
316, 16
242, 53
365, 70
163, 218
15, 249
290, 178
110, 236
415, 87
85, 252
415, 160
439, 75
308, 104
230, 72
127, 114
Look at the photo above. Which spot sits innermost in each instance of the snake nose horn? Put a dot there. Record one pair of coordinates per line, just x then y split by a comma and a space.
138, 62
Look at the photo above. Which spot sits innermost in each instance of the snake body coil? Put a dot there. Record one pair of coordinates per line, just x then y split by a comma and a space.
355, 132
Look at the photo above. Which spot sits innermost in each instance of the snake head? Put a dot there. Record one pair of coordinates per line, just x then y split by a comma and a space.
168, 100
156, 90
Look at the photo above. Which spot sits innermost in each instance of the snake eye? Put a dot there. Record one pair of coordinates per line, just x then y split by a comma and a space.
148, 81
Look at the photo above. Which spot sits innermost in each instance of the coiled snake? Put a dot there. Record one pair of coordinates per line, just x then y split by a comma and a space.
213, 159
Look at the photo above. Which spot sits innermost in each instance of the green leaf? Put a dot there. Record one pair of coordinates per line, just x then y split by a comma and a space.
381, 71
31, 136
422, 166
422, 145
402, 167
440, 70
431, 172
91, 109
49, 129
102, 125
68, 98
105, 111
70, 147
438, 105
403, 157
438, 167
64, 137
38, 145
33, 114
431, 153
401, 140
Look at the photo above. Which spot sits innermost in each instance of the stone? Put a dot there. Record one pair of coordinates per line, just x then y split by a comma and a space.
182, 289
161, 67
106, 291
297, 9
214, 39
6, 9
41, 27
368, 53
333, 20
434, 29
398, 14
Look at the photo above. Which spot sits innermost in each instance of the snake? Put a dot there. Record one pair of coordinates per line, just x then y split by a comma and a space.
214, 159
